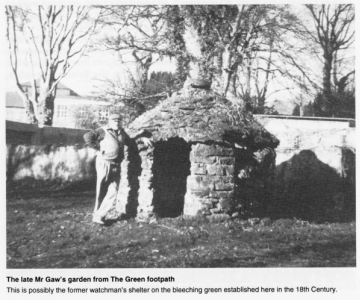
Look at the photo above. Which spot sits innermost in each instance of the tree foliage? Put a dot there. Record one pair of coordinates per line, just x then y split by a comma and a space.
343, 105
160, 82
130, 97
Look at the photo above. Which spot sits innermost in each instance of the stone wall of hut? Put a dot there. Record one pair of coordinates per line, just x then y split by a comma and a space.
136, 194
221, 180
210, 186
228, 180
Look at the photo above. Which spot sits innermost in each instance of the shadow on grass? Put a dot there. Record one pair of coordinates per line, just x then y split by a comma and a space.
29, 188
47, 201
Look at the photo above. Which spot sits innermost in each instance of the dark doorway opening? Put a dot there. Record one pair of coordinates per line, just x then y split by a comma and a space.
171, 168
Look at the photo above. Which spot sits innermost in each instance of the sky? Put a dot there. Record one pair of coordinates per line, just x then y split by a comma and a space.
83, 77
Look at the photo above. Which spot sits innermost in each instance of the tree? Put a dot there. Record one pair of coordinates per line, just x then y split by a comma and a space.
133, 99
260, 67
334, 32
296, 110
55, 38
309, 109
161, 82
241, 49
143, 35
151, 33
241, 46
343, 104
226, 36
85, 117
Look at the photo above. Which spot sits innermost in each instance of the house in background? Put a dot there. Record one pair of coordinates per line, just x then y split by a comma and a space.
69, 107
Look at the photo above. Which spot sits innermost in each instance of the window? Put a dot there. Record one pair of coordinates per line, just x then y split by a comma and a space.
83, 112
103, 114
62, 111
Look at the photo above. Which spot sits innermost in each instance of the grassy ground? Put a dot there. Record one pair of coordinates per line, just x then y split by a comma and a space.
54, 230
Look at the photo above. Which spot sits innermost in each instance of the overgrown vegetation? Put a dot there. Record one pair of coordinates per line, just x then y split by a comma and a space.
129, 99
338, 104
54, 230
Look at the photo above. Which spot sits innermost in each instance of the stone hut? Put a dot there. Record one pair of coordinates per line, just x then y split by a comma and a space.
209, 157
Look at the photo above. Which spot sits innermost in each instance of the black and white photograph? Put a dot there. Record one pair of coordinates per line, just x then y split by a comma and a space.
180, 136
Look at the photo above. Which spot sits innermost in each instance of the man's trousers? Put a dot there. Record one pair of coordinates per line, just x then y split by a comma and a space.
108, 178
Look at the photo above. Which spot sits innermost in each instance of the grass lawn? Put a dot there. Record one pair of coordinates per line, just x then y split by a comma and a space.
54, 230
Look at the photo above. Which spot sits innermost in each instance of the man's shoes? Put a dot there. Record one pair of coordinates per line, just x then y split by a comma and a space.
98, 219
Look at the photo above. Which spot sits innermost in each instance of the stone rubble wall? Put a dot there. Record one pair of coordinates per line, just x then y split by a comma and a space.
146, 192
135, 195
210, 187
29, 134
325, 138
124, 186
327, 144
59, 163
229, 181
315, 169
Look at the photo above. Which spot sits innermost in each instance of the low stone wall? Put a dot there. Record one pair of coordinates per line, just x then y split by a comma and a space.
326, 138
327, 144
286, 123
315, 169
309, 189
27, 134
60, 163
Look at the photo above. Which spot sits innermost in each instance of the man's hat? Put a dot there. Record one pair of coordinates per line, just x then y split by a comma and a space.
114, 117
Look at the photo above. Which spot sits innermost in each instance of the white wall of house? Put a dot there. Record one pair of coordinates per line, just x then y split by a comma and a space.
16, 114
66, 110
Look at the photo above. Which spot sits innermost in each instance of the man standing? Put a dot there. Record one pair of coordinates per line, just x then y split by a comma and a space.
109, 140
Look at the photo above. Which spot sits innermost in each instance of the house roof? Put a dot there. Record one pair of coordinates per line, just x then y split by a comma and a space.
201, 115
14, 100
60, 86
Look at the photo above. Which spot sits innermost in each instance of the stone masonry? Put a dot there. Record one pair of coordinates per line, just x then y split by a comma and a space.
146, 192
210, 187
215, 128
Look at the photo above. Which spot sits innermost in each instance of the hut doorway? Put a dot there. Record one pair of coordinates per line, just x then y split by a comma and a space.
171, 167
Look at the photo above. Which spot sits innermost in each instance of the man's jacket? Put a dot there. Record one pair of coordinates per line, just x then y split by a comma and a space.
108, 142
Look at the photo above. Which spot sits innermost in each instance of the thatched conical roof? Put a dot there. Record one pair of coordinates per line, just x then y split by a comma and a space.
201, 115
